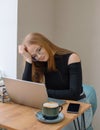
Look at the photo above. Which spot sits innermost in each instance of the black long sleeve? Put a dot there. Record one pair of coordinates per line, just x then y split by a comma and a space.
27, 75
75, 84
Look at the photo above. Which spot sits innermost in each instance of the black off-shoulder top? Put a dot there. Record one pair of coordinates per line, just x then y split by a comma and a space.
65, 83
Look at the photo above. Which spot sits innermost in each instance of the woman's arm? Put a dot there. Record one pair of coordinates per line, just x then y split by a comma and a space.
27, 75
23, 51
75, 81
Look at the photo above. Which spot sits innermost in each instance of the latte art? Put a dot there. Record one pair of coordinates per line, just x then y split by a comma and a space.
50, 104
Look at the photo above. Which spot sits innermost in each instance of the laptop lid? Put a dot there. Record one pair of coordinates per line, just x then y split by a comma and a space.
26, 93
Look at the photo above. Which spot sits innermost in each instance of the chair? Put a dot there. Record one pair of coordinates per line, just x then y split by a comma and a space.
91, 95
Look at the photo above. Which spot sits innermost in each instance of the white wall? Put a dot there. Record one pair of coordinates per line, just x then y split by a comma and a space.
8, 36
78, 29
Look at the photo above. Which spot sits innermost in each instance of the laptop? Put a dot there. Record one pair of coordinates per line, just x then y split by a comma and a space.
28, 93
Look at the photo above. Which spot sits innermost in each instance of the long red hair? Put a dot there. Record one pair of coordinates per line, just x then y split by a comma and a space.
52, 49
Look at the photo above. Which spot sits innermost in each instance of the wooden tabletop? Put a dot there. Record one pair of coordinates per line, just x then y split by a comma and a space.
18, 117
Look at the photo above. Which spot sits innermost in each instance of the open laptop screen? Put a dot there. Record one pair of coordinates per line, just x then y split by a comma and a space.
26, 93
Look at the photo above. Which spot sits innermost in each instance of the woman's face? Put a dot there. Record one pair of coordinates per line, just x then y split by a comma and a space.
38, 53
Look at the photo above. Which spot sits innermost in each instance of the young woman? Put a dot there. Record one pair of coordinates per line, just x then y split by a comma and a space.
60, 69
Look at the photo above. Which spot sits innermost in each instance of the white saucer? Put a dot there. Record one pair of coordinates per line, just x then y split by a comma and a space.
40, 117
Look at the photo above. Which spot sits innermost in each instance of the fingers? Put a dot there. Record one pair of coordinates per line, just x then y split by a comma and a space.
22, 50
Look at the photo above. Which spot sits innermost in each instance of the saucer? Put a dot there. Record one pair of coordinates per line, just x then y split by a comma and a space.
40, 117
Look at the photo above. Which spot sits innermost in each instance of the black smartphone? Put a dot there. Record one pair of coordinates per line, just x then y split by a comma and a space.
73, 108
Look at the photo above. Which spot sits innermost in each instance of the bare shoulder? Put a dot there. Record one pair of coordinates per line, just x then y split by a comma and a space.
74, 58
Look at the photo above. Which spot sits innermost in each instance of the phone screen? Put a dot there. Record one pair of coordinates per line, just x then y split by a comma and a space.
73, 108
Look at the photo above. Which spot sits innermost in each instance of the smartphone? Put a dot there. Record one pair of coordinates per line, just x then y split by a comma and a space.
73, 107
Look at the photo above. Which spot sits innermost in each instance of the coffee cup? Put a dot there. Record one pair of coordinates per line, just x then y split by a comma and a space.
51, 110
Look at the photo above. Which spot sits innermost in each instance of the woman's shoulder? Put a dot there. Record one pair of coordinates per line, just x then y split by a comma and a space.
73, 58
70, 58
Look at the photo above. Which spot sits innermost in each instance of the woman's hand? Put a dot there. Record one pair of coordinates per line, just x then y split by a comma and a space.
23, 51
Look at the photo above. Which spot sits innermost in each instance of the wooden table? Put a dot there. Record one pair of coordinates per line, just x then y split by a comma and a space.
19, 117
